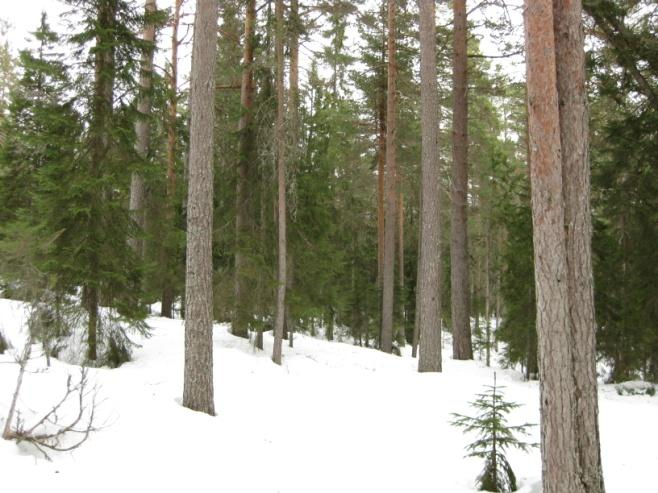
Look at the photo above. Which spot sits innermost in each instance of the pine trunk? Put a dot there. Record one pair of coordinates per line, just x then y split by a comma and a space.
556, 338
574, 133
240, 326
381, 156
143, 130
169, 251
428, 295
401, 334
281, 179
461, 327
198, 391
388, 278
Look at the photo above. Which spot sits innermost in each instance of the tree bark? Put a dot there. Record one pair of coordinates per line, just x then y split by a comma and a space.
143, 131
240, 325
574, 139
561, 235
198, 391
428, 295
169, 251
281, 179
401, 333
388, 278
461, 327
381, 156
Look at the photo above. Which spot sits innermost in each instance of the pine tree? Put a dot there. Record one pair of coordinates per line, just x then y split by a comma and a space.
561, 234
198, 392
461, 324
428, 296
282, 281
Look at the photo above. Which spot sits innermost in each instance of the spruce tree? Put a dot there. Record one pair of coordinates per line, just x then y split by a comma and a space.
494, 438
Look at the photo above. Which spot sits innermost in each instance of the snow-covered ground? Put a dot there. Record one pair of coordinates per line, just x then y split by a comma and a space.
334, 418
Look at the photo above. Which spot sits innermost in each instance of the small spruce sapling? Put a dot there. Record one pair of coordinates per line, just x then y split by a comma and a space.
494, 437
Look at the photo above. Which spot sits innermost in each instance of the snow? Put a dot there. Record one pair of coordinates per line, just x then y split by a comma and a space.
334, 418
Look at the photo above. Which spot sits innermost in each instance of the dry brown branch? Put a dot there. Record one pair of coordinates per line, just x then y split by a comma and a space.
52, 431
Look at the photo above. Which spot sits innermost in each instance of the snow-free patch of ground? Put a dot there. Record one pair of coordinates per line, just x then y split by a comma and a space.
334, 418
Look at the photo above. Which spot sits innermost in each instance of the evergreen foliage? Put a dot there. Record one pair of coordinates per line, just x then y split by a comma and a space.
494, 438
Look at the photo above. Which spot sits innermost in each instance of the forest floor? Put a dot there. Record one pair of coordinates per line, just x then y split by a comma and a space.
334, 418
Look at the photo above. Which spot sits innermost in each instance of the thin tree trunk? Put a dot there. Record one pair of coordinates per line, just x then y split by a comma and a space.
169, 250
143, 131
198, 391
487, 297
240, 325
293, 110
461, 327
415, 336
388, 279
401, 336
22, 363
381, 157
281, 175
574, 136
428, 294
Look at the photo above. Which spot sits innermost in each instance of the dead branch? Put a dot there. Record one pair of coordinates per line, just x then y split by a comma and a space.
52, 431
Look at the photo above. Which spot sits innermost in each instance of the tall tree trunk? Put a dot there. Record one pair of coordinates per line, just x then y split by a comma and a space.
388, 278
574, 136
561, 233
401, 335
100, 128
461, 326
293, 110
487, 295
169, 250
381, 155
281, 179
198, 391
240, 326
428, 294
143, 130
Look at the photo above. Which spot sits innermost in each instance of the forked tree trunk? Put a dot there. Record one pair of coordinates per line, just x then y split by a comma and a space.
428, 294
198, 393
143, 131
281, 179
461, 327
561, 234
240, 325
388, 278
574, 136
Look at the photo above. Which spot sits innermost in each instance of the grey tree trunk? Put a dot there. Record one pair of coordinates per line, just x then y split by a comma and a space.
240, 325
388, 277
281, 175
428, 295
461, 326
143, 131
561, 234
198, 391
574, 133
